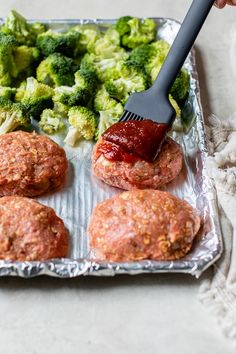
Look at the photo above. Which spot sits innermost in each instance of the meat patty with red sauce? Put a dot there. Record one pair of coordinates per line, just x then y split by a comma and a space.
30, 231
138, 173
30, 164
143, 224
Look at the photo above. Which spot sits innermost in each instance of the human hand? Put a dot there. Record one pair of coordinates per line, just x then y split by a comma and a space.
221, 3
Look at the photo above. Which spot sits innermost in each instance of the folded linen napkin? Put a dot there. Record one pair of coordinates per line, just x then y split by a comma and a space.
219, 292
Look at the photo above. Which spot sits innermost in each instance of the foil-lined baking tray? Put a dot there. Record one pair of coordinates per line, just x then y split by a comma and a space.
75, 202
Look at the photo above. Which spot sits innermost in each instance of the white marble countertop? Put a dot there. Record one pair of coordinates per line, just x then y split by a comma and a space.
125, 315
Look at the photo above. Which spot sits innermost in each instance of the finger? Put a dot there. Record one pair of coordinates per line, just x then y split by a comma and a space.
221, 3
231, 2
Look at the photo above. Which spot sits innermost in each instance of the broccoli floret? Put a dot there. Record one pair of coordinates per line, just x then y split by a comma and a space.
79, 94
155, 71
108, 46
12, 116
71, 96
105, 68
108, 118
26, 59
7, 93
61, 109
176, 106
37, 28
8, 69
86, 79
63, 94
133, 79
140, 32
150, 56
117, 89
50, 122
129, 69
177, 124
89, 34
54, 42
83, 124
103, 101
122, 25
159, 51
56, 70
34, 96
181, 86
24, 32
87, 63
141, 55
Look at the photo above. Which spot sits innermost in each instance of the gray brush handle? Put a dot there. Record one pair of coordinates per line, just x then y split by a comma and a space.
182, 45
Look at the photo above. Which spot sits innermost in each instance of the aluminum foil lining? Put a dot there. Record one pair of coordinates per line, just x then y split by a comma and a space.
75, 202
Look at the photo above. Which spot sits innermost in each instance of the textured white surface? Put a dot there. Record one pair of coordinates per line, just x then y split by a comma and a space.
153, 314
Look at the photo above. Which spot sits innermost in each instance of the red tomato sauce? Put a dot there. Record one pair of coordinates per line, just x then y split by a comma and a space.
133, 140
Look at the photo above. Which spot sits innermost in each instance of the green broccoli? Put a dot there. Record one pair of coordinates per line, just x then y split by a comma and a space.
54, 42
64, 95
113, 36
72, 96
107, 118
133, 79
12, 116
79, 94
176, 106
103, 101
122, 25
83, 123
61, 109
37, 28
56, 70
88, 63
26, 60
141, 55
89, 34
104, 68
155, 71
140, 32
86, 79
24, 32
117, 89
150, 55
108, 46
177, 124
7, 93
50, 122
159, 51
181, 86
8, 69
34, 96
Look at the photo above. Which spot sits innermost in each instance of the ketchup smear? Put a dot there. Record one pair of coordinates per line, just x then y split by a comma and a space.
133, 140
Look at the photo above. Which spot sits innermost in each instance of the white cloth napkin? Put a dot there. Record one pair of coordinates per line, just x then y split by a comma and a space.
219, 293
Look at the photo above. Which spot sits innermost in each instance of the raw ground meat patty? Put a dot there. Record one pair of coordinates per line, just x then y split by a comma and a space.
143, 224
140, 174
30, 231
30, 164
